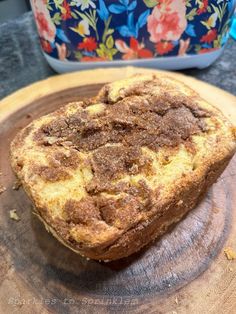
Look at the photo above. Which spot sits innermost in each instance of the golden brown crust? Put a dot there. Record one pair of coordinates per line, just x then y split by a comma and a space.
111, 174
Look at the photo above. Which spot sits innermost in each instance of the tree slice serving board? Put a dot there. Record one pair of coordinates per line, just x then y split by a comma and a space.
185, 271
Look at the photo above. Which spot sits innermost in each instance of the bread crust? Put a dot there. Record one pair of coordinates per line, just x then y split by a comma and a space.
104, 189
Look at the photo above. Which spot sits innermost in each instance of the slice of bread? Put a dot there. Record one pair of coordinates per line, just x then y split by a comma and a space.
110, 174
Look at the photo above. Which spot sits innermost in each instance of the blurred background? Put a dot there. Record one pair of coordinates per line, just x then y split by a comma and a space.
10, 9
22, 61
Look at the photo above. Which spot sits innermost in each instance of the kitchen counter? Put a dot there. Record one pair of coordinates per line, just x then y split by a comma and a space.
22, 63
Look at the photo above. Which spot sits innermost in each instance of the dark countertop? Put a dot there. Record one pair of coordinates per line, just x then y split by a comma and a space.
22, 63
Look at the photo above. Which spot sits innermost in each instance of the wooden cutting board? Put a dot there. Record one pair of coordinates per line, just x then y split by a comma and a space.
184, 272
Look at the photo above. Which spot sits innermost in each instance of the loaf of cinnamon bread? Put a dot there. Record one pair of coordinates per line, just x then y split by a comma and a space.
112, 173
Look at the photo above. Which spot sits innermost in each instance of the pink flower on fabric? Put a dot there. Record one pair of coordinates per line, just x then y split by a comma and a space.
135, 50
46, 28
167, 20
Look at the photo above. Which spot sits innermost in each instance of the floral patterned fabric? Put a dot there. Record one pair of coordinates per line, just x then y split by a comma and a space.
106, 30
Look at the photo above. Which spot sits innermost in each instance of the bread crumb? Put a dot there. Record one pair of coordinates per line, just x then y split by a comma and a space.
174, 312
230, 253
13, 215
176, 301
51, 140
16, 185
180, 202
2, 188
230, 269
233, 129
215, 210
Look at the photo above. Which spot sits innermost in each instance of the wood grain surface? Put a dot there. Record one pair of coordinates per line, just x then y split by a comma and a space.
185, 271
